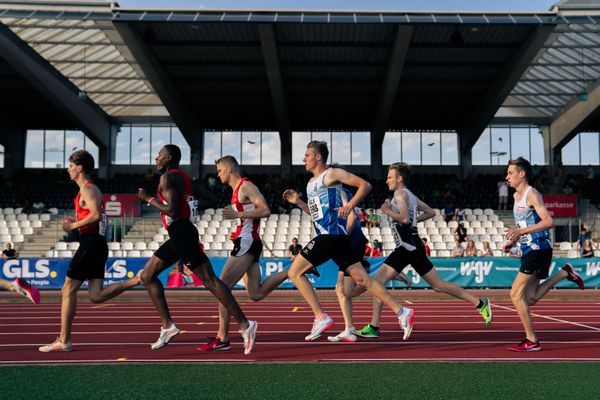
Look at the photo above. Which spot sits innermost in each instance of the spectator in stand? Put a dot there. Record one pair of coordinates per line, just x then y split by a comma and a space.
587, 250
39, 207
460, 232
584, 235
458, 250
502, 194
449, 213
364, 218
486, 251
373, 219
460, 213
515, 251
374, 250
427, 248
471, 250
9, 252
294, 249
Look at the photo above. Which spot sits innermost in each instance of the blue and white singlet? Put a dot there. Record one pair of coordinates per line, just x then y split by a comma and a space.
524, 217
322, 204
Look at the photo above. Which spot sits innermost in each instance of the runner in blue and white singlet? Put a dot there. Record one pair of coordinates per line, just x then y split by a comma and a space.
526, 216
323, 202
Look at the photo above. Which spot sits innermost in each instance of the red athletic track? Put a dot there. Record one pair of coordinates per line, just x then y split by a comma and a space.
445, 330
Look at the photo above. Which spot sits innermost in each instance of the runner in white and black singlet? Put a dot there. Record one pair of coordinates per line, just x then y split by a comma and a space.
249, 205
403, 209
178, 208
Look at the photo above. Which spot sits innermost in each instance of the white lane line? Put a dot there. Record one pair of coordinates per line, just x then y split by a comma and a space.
132, 360
555, 319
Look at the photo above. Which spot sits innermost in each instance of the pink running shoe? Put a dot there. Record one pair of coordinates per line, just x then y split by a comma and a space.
525, 346
573, 276
214, 344
24, 288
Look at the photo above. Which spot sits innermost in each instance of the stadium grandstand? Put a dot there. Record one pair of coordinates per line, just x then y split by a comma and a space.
456, 95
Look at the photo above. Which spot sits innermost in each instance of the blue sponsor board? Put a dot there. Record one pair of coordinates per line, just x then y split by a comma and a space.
465, 272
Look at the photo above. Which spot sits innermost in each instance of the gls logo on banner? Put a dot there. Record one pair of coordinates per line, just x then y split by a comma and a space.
118, 270
592, 268
13, 269
481, 269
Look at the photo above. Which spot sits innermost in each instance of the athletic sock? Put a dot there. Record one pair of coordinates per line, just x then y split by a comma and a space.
481, 303
321, 317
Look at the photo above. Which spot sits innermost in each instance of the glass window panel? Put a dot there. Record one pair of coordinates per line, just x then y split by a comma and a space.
430, 148
251, 148
340, 148
411, 147
324, 137
299, 142
74, 140
232, 145
537, 147
93, 150
519, 142
54, 156
1, 156
361, 148
570, 152
178, 139
212, 147
500, 145
140, 142
390, 150
480, 153
34, 149
589, 148
161, 135
271, 148
122, 150
449, 148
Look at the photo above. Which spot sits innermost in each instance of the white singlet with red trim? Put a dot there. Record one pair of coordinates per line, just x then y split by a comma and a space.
248, 228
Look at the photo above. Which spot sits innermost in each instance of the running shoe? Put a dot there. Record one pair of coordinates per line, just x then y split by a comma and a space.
165, 336
347, 335
573, 276
486, 311
249, 336
369, 331
24, 288
214, 344
526, 345
57, 345
406, 321
319, 327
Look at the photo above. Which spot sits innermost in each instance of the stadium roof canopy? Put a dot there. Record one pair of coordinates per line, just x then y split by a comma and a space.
300, 70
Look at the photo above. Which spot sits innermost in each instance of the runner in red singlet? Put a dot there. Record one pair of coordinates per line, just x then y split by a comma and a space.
179, 207
249, 205
89, 261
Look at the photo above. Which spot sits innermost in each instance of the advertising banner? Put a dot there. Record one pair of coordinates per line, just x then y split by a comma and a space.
561, 205
123, 204
465, 272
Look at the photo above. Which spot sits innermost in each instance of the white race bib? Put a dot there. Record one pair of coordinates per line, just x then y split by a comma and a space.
315, 209
527, 239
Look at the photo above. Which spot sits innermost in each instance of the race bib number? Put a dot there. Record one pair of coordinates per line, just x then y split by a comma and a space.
193, 206
315, 209
524, 238
102, 225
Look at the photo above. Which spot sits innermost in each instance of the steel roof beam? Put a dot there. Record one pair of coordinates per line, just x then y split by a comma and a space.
487, 106
61, 92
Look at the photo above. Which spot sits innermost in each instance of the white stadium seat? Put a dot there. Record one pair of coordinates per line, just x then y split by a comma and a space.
61, 246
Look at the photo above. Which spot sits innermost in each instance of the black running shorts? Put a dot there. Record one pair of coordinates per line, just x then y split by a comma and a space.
417, 258
89, 261
183, 244
245, 245
536, 261
325, 247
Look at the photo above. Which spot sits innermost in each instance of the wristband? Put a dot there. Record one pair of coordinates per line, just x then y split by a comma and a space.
151, 201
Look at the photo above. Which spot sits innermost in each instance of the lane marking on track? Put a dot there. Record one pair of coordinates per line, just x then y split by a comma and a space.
554, 319
197, 323
132, 360
122, 359
295, 309
408, 302
104, 305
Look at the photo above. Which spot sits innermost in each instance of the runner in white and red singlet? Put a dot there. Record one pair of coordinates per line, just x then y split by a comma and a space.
179, 208
249, 205
89, 261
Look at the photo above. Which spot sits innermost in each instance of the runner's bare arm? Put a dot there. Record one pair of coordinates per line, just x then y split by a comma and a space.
92, 200
249, 192
167, 187
426, 211
342, 176
292, 197
402, 204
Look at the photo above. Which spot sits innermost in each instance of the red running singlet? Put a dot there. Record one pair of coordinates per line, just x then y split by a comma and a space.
98, 227
188, 205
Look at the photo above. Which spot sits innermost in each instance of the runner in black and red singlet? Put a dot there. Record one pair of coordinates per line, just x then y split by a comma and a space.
249, 205
179, 208
89, 261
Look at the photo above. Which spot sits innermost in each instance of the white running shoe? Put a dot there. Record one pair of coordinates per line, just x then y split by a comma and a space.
57, 345
347, 335
319, 327
165, 336
406, 321
249, 336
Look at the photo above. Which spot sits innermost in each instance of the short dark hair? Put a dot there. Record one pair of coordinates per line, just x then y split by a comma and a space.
320, 147
175, 153
522, 165
83, 158
402, 169
228, 160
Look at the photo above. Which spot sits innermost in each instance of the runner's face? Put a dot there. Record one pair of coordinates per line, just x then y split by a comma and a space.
514, 177
392, 180
223, 172
310, 159
74, 170
162, 160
